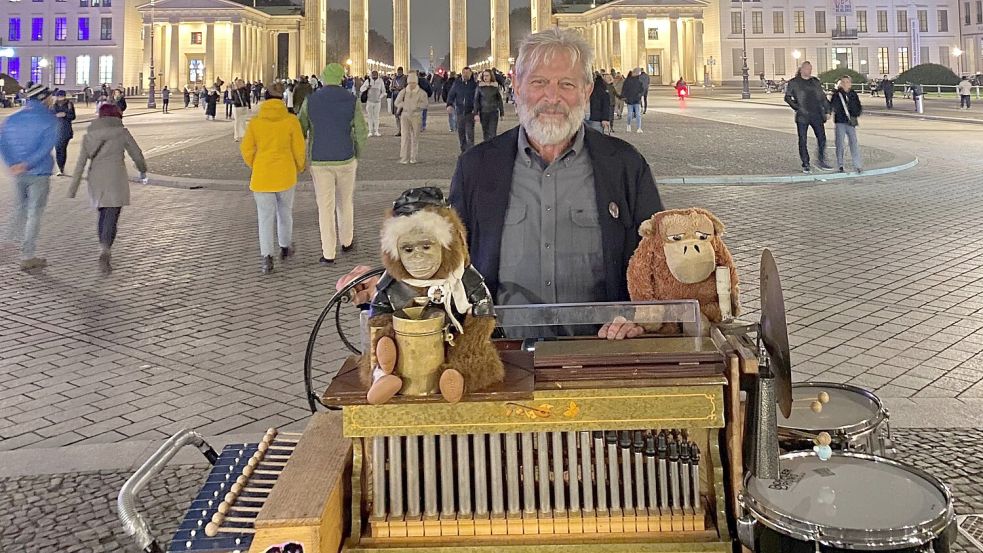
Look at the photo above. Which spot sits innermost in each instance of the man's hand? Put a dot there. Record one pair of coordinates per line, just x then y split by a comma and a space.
450, 109
606, 125
18, 168
61, 114
619, 329
365, 290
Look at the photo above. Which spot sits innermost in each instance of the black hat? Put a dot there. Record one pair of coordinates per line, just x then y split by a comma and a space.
415, 199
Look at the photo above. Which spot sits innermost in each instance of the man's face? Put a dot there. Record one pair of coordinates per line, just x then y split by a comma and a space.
552, 100
375, 74
466, 74
806, 70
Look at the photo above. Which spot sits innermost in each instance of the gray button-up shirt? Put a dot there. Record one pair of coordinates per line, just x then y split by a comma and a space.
551, 243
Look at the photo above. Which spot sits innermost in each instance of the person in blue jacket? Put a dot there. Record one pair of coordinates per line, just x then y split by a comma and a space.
460, 101
26, 141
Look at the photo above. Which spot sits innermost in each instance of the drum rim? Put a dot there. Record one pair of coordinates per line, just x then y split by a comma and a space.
865, 540
861, 428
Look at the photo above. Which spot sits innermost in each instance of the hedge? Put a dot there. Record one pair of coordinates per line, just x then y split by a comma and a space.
833, 75
929, 73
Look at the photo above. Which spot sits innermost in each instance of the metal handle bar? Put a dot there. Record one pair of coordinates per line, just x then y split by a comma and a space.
132, 521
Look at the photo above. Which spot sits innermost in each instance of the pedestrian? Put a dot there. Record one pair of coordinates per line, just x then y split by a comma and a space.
631, 91
119, 100
612, 96
410, 104
211, 103
227, 101
398, 84
26, 140
166, 96
187, 96
288, 97
273, 147
805, 95
425, 87
302, 89
373, 91
846, 109
918, 96
644, 78
488, 105
965, 89
460, 101
105, 142
599, 117
64, 110
195, 97
887, 87
337, 133
240, 105
444, 93
619, 103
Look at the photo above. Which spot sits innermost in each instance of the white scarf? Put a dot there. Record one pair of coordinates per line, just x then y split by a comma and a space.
447, 291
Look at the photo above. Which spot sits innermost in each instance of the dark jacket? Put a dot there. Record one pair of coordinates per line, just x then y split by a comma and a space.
331, 113
241, 97
625, 191
807, 98
852, 102
632, 90
461, 96
446, 88
64, 123
887, 87
488, 99
301, 91
600, 101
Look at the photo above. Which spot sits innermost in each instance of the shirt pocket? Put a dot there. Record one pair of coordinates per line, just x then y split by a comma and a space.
514, 235
584, 248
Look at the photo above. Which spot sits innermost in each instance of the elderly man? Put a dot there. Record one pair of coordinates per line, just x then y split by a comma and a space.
240, 105
562, 223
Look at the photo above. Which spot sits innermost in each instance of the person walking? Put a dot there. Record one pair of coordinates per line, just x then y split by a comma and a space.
460, 101
105, 142
965, 90
397, 85
227, 101
805, 95
211, 103
302, 89
119, 100
643, 77
64, 110
165, 95
887, 87
240, 106
488, 105
26, 140
846, 109
599, 117
374, 91
410, 104
187, 96
425, 87
619, 99
444, 93
337, 133
631, 91
288, 97
273, 147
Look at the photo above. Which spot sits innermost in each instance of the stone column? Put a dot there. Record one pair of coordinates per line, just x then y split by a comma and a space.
500, 50
269, 71
617, 55
629, 44
401, 34
148, 46
542, 13
698, 48
292, 54
684, 51
674, 66
209, 77
642, 51
236, 51
256, 60
358, 35
459, 34
176, 67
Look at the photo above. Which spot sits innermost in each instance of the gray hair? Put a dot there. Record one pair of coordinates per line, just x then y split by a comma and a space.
542, 47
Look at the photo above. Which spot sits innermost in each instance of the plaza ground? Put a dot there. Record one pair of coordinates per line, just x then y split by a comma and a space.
882, 278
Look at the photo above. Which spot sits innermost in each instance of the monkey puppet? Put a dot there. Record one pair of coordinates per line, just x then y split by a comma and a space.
425, 254
682, 256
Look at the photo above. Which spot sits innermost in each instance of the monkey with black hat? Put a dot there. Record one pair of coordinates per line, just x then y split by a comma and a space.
424, 251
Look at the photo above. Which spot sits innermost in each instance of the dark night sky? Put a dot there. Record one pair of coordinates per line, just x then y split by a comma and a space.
429, 23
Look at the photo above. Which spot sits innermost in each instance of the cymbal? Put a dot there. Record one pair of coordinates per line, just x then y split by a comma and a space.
774, 331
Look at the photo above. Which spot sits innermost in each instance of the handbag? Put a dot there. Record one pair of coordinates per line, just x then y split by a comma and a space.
852, 121
365, 96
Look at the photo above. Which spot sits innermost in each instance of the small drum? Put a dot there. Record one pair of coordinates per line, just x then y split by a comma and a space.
851, 502
855, 418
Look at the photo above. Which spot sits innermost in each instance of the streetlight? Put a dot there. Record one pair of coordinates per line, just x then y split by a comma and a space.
42, 64
152, 93
746, 85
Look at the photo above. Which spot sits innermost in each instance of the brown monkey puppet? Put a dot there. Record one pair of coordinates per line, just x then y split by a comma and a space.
678, 258
424, 251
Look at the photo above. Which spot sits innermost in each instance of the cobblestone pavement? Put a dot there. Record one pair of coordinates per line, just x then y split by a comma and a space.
882, 277
76, 512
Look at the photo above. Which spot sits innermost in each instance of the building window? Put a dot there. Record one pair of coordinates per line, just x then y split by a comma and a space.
655, 65
196, 37
652, 33
105, 69
757, 22
883, 61
903, 62
943, 55
821, 21
61, 28
922, 21
13, 68
881, 21
83, 3
778, 22
106, 29
902, 21
779, 62
82, 65
83, 28
36, 69
943, 21
822, 60
737, 61
735, 23
841, 23
37, 28
94, 3
861, 22
923, 55
966, 15
800, 22
107, 3
61, 67
979, 12
13, 29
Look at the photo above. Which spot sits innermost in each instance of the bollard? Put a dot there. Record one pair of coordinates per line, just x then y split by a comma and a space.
919, 107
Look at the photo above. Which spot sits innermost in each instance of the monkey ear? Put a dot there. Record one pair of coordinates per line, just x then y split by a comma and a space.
718, 227
647, 228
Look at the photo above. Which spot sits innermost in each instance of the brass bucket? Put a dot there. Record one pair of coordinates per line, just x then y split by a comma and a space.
420, 342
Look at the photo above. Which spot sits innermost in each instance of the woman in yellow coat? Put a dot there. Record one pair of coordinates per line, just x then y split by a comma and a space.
274, 149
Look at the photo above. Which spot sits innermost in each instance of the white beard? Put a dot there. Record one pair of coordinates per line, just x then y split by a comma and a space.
552, 133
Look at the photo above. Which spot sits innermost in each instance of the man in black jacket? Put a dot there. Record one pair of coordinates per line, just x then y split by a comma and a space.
806, 96
599, 116
460, 102
887, 85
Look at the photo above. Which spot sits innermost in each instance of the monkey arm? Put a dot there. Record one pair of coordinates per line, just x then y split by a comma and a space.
474, 355
734, 298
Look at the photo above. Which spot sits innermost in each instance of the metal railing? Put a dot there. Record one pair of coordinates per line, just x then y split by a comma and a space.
844, 33
934, 90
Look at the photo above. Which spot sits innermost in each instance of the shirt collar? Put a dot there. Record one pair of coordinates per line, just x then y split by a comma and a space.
527, 154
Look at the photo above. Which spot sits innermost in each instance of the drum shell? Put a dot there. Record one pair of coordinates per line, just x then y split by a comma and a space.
420, 343
871, 435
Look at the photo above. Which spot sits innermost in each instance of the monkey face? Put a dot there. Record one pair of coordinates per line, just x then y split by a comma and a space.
688, 247
420, 253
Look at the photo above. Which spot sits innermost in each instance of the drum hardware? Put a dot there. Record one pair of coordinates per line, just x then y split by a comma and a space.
971, 528
859, 423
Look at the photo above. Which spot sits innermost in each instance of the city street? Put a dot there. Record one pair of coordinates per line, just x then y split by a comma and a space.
882, 275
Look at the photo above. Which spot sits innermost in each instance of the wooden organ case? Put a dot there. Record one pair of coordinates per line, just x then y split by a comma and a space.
588, 445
